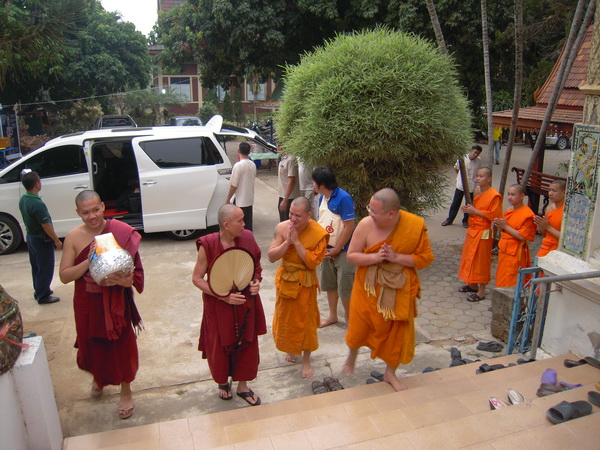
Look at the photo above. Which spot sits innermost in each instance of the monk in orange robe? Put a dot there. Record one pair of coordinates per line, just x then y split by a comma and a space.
300, 243
517, 228
549, 225
476, 261
388, 247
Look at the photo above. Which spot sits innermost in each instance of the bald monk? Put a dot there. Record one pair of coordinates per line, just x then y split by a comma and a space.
476, 261
517, 229
230, 325
300, 243
105, 314
549, 225
388, 247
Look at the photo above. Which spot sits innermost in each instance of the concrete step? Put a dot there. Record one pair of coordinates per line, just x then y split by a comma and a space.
443, 409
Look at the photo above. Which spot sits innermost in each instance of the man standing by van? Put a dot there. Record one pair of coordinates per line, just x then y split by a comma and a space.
41, 238
242, 183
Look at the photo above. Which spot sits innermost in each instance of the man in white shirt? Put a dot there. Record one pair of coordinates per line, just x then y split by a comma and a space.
472, 164
242, 183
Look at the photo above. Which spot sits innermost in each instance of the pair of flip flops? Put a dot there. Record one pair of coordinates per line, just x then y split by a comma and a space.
514, 398
377, 377
484, 368
490, 346
457, 359
328, 384
587, 360
549, 384
566, 411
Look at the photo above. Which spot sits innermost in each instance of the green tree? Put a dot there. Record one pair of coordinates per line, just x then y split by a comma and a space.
95, 53
228, 108
147, 105
382, 109
238, 108
33, 36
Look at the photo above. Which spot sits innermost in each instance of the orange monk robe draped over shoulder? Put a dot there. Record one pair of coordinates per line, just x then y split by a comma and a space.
391, 340
549, 242
476, 261
514, 253
296, 316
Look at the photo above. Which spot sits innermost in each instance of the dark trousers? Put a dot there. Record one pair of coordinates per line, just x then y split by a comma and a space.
455, 206
247, 216
41, 258
284, 215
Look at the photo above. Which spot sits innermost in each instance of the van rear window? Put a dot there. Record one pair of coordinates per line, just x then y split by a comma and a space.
169, 153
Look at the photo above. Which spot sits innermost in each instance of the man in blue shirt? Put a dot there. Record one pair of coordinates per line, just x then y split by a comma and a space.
336, 215
41, 238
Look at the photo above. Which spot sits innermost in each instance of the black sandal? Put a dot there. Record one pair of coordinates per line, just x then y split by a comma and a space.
466, 288
249, 395
226, 388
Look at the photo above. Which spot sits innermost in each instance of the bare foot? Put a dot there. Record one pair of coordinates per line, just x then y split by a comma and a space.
348, 366
290, 358
125, 402
390, 377
329, 321
96, 391
307, 370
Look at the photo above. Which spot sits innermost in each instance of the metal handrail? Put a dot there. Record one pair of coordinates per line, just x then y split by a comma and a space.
536, 306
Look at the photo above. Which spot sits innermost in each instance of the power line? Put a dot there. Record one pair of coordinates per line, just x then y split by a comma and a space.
53, 102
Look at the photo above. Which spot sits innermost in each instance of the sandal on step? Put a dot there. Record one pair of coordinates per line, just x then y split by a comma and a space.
247, 396
333, 384
227, 389
377, 375
496, 403
572, 363
515, 397
592, 362
318, 387
490, 346
594, 398
565, 411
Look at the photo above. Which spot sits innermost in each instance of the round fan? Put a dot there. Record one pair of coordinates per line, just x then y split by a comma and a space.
231, 271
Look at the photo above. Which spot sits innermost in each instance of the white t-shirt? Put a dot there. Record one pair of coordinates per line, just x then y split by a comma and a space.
304, 177
242, 177
472, 165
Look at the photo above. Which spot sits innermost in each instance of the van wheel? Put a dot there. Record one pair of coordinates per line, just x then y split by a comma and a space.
183, 235
562, 143
10, 235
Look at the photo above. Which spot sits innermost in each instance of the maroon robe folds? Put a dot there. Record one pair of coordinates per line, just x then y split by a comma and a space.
217, 331
105, 317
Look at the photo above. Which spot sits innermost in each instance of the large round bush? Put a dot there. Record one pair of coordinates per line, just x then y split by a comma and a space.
382, 109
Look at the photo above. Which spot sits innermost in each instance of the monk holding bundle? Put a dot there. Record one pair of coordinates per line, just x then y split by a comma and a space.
476, 261
517, 228
105, 314
549, 225
388, 246
300, 243
231, 324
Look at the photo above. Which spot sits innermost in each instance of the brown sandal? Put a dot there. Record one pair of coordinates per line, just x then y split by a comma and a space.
474, 298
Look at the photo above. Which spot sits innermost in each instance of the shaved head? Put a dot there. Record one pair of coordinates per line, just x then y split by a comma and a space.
84, 196
487, 170
561, 184
389, 199
519, 187
302, 202
227, 213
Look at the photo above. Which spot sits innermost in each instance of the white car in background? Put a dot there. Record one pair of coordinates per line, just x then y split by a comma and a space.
161, 179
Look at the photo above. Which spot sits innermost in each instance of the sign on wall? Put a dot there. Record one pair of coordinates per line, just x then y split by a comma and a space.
582, 190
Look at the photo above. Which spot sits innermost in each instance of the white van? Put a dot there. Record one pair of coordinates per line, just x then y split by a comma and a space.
161, 179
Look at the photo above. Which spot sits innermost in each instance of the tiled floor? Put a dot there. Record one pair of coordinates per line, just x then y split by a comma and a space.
445, 409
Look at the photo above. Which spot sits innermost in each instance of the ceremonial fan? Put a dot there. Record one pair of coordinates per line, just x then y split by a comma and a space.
232, 271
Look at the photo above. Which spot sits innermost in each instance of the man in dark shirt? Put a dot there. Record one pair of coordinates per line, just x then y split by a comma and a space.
41, 238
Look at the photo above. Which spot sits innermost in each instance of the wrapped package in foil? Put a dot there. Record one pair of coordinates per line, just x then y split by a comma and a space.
109, 258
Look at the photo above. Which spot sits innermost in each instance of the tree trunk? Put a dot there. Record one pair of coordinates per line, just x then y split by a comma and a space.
578, 27
437, 29
488, 83
517, 93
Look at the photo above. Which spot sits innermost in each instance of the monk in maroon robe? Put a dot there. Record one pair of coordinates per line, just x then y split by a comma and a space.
230, 325
105, 315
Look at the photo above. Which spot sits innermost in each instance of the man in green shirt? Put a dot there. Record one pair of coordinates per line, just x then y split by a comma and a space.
41, 238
